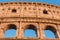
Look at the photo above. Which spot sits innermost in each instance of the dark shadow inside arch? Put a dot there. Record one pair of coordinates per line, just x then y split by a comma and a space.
11, 31
30, 31
50, 32
12, 26
14, 10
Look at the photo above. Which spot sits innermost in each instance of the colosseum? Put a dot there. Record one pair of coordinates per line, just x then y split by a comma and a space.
29, 15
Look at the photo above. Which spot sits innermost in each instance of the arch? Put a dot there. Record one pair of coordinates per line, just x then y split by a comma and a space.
12, 26
10, 31
30, 30
14, 10
45, 11
51, 32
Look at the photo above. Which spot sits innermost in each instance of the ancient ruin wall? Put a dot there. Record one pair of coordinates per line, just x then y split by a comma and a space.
22, 15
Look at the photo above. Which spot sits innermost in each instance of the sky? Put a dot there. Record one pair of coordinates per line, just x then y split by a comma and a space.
28, 33
55, 2
48, 34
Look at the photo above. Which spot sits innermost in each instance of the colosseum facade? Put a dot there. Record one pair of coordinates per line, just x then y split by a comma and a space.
29, 15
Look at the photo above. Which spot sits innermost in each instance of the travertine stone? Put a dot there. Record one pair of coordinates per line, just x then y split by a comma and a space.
23, 15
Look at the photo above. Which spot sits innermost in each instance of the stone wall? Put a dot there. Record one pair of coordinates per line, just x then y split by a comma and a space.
22, 15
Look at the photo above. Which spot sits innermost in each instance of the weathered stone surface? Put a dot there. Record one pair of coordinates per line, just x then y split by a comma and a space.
23, 15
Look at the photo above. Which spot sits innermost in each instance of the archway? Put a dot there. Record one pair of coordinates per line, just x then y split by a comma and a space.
30, 31
11, 31
50, 32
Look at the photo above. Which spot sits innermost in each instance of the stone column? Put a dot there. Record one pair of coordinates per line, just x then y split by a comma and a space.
42, 36
17, 32
38, 31
1, 33
58, 34
20, 31
58, 31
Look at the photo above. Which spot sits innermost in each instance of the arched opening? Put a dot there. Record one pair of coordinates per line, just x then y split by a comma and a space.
30, 31
50, 32
14, 10
11, 31
45, 12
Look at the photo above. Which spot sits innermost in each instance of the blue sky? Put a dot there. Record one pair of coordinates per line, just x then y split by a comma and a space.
48, 33
55, 2
28, 33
